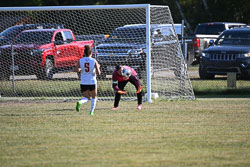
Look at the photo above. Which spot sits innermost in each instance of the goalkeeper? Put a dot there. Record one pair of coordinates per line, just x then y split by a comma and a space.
121, 76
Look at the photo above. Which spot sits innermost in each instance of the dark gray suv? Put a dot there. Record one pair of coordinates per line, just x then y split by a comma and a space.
204, 32
127, 45
229, 53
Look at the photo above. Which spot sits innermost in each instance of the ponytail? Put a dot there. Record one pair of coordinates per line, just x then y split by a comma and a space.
87, 51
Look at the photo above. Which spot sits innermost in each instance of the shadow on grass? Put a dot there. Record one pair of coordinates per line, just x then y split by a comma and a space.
222, 93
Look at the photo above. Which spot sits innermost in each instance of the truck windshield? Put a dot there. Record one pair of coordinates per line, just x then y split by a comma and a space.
126, 35
234, 38
40, 37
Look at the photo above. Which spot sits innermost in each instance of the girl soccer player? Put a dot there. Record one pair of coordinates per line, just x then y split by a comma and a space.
88, 67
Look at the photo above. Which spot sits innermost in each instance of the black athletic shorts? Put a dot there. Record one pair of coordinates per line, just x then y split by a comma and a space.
87, 87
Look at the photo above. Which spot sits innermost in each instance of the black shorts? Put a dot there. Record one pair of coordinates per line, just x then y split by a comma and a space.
87, 87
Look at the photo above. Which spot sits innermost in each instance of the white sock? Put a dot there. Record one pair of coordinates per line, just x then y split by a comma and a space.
84, 100
93, 104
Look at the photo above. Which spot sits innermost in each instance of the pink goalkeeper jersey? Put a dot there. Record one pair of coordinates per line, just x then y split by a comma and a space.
119, 78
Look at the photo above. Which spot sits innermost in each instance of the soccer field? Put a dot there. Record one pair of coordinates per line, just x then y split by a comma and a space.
203, 132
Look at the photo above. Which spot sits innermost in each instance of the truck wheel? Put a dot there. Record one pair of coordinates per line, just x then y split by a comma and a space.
48, 71
180, 71
103, 73
4, 76
140, 74
203, 73
79, 75
245, 77
142, 71
102, 76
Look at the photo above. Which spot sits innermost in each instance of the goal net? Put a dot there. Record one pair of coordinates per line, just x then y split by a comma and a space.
41, 45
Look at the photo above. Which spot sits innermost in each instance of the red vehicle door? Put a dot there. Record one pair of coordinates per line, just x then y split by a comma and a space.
60, 50
72, 53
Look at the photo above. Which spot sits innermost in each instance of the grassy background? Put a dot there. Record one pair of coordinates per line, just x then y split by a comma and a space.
203, 132
70, 88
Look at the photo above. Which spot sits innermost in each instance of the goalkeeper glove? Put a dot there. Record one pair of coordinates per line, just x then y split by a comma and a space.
121, 92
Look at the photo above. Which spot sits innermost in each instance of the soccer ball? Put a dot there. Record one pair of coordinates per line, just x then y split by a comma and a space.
126, 72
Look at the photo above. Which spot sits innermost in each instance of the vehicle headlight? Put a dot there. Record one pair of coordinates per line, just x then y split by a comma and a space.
36, 52
205, 55
244, 55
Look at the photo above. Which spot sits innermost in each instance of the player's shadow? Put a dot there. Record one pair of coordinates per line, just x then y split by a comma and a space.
61, 110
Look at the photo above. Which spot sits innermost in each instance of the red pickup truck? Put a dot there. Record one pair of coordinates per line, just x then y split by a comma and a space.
42, 52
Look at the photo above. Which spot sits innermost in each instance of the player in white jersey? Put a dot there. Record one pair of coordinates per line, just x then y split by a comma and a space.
88, 67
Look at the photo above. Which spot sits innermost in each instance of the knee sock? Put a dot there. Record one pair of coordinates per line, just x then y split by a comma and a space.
117, 99
84, 100
93, 104
139, 98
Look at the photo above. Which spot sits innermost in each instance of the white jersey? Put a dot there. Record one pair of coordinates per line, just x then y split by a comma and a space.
88, 72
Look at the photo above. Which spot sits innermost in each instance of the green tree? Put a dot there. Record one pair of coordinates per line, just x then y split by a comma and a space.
13, 3
195, 11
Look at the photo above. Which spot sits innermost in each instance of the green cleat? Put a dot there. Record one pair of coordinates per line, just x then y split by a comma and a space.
91, 113
78, 106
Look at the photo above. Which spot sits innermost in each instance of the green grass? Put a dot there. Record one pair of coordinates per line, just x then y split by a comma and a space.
203, 132
53, 88
70, 88
218, 88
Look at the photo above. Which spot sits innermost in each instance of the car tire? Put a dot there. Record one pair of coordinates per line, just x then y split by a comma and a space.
245, 77
79, 75
4, 76
48, 70
142, 72
203, 73
102, 76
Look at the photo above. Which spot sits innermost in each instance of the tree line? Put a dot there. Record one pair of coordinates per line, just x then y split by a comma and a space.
192, 11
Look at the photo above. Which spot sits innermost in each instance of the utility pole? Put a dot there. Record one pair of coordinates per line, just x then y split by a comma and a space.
183, 16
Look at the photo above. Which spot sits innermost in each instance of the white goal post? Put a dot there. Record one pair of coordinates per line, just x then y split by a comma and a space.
39, 46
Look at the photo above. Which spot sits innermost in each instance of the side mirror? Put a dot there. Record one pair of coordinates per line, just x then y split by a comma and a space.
211, 42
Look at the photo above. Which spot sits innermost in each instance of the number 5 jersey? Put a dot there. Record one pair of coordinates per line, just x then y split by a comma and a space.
88, 72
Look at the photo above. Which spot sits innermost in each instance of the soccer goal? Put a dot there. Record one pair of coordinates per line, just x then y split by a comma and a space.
39, 47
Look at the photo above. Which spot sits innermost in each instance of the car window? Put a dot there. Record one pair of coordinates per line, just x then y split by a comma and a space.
235, 26
234, 38
124, 35
210, 29
68, 36
164, 31
59, 38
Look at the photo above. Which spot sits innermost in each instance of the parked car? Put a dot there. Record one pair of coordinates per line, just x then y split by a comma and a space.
42, 52
204, 32
10, 33
127, 44
229, 53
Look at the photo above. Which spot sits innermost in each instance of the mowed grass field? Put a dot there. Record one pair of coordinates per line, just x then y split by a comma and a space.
203, 132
